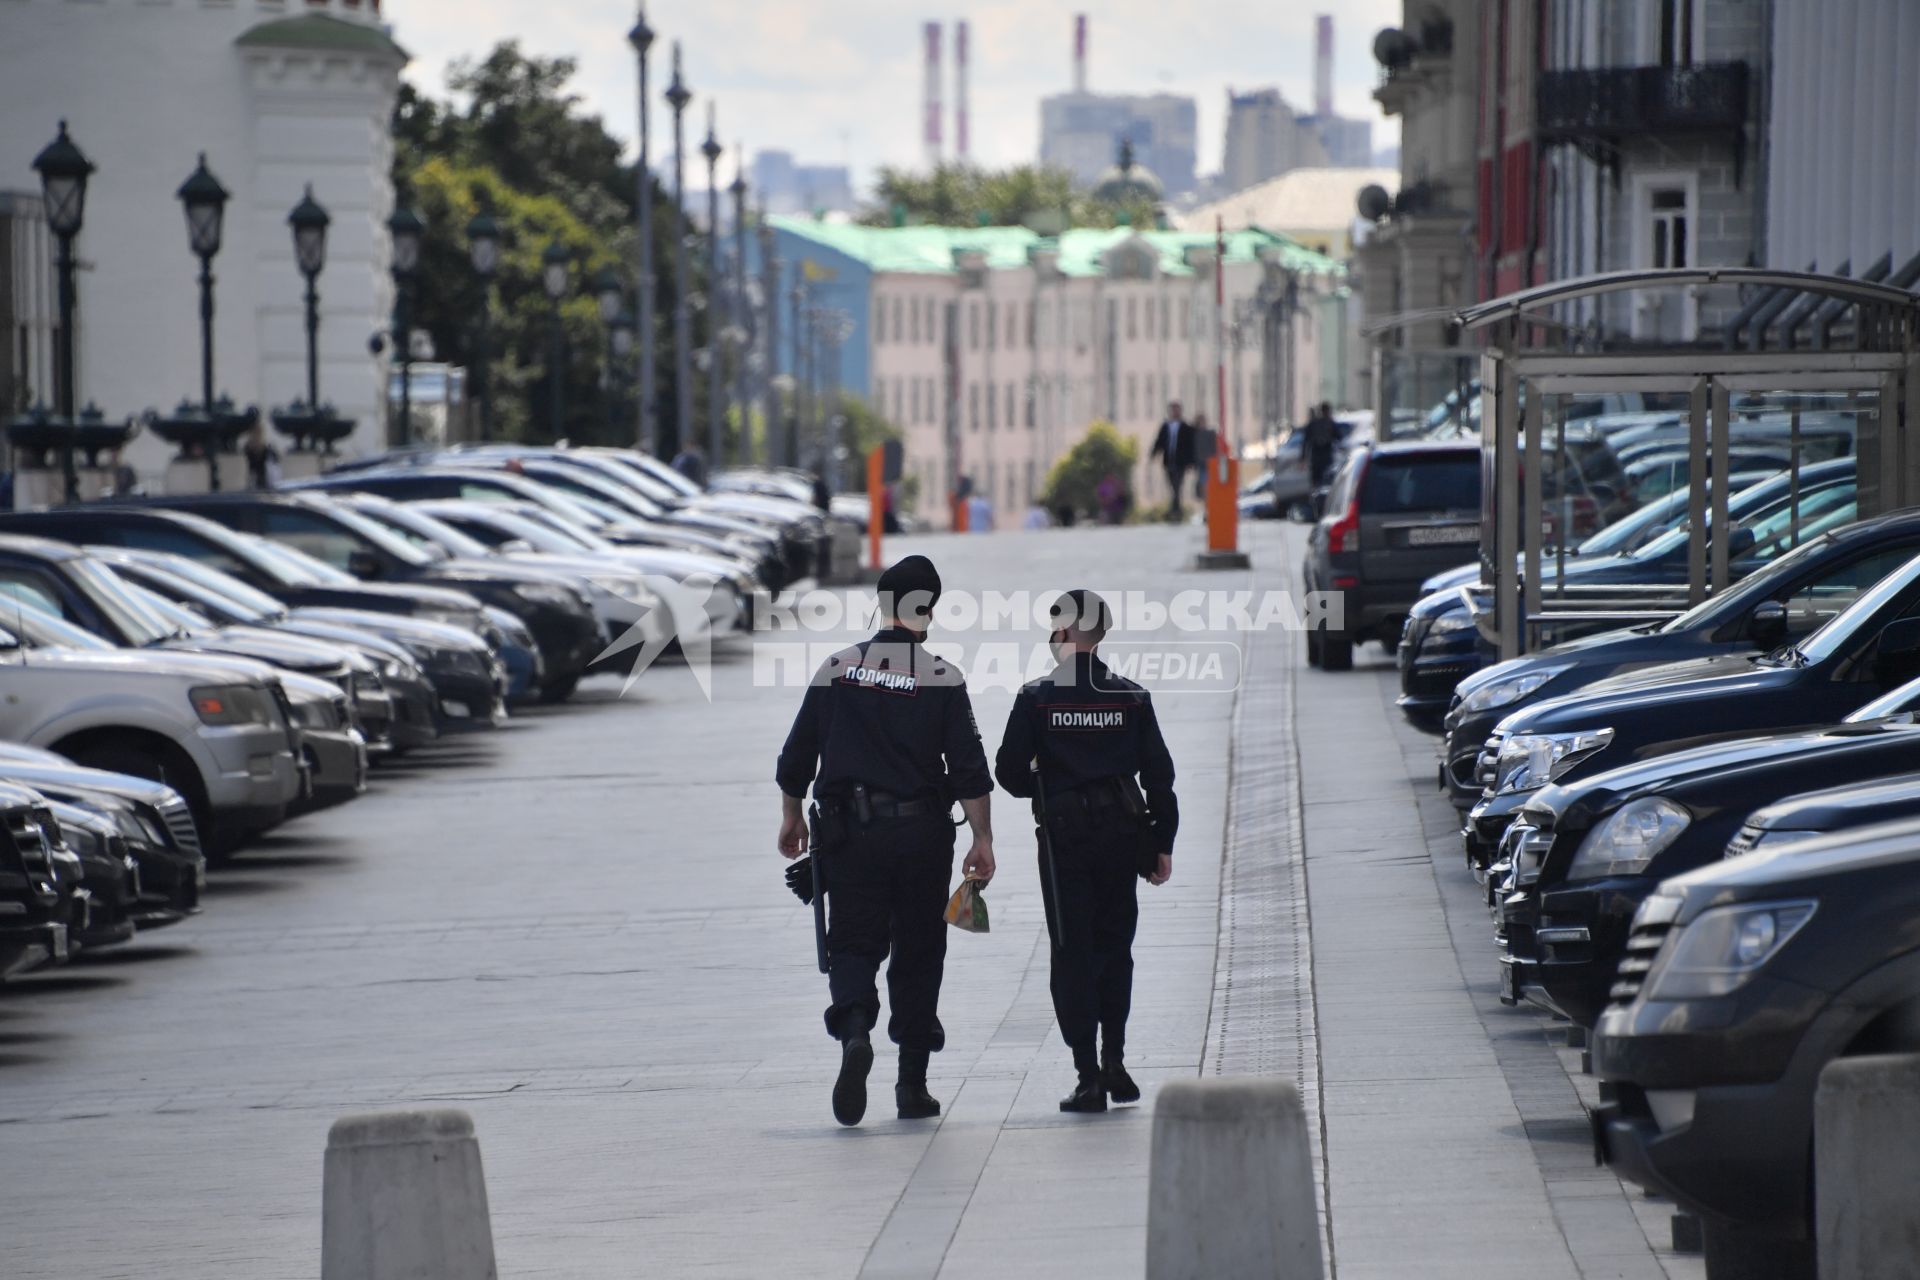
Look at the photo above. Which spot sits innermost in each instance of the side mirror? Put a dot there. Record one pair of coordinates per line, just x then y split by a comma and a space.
1898, 655
1739, 542
364, 564
1767, 628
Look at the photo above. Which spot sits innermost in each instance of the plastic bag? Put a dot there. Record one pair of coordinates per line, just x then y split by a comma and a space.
967, 909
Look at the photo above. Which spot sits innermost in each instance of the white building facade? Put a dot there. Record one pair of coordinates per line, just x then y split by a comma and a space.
278, 94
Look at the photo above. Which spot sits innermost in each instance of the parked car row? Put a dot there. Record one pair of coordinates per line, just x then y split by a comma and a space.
1698, 838
179, 675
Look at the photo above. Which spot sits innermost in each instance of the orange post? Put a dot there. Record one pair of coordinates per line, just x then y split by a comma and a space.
876, 502
1223, 502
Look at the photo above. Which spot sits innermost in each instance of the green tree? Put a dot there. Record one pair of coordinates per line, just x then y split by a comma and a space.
957, 195
516, 142
1075, 479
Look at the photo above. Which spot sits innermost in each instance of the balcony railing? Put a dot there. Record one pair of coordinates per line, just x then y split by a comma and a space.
1618, 102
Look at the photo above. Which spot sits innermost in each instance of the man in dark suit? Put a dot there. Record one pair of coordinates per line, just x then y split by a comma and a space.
1173, 448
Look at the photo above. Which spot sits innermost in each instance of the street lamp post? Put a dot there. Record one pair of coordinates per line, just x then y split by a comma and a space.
744, 312
648, 429
770, 345
309, 222
483, 248
620, 342
205, 201
63, 184
556, 266
611, 296
716, 308
677, 98
405, 229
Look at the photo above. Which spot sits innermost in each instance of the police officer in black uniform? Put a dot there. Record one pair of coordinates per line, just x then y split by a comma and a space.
1085, 735
890, 731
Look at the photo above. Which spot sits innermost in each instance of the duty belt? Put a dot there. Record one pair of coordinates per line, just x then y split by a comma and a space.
866, 805
1099, 795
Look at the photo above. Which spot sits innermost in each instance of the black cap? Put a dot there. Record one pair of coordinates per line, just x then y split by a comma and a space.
1082, 610
909, 589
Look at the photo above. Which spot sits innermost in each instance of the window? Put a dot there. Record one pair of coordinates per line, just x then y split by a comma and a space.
973, 326
1009, 404
913, 319
1133, 318
1013, 325
1166, 329
33, 589
1668, 220
914, 402
1029, 406
1133, 386
1029, 481
1045, 322
993, 326
1673, 32
1663, 238
899, 399
898, 305
973, 406
879, 321
319, 538
1812, 603
993, 402
1031, 338
1409, 483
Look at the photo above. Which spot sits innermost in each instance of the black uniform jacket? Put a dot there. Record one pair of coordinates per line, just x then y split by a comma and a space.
888, 714
1083, 723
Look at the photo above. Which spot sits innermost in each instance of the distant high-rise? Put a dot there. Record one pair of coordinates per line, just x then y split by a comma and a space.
787, 187
1266, 139
1081, 131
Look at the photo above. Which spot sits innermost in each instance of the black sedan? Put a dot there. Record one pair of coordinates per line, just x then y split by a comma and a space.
1742, 982
1581, 857
1869, 648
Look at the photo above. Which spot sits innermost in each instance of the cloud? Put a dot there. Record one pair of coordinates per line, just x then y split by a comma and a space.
839, 82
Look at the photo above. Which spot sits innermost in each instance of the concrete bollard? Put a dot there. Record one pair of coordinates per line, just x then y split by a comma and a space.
1231, 1194
405, 1198
1866, 1159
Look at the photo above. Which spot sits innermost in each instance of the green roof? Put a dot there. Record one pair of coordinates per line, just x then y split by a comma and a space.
320, 31
929, 250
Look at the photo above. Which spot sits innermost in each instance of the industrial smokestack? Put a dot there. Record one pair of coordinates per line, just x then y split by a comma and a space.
1323, 65
930, 129
1079, 53
960, 90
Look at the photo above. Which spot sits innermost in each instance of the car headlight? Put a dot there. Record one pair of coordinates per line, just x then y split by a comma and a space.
79, 839
1509, 690
1455, 620
1631, 837
128, 824
394, 669
1529, 761
232, 704
547, 593
1723, 948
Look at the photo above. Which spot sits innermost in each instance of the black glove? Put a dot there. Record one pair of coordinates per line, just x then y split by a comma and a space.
800, 879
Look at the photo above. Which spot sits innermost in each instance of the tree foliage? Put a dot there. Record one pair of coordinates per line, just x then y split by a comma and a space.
959, 195
517, 143
1075, 479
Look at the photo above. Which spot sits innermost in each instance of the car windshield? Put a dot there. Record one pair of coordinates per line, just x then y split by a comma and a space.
300, 568
1743, 595
39, 629
507, 526
424, 531
1825, 642
1903, 701
661, 474
172, 587
115, 597
208, 587
579, 535
184, 620
583, 486
381, 536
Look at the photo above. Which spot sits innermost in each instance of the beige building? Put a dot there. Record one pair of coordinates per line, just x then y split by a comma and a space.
1313, 207
995, 348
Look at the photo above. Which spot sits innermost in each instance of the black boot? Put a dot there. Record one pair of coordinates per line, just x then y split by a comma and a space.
1089, 1094
856, 1059
910, 1094
1119, 1085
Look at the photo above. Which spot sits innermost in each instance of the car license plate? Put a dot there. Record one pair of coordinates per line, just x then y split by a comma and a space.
1509, 984
1443, 535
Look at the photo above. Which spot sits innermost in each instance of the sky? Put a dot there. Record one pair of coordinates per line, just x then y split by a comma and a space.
839, 81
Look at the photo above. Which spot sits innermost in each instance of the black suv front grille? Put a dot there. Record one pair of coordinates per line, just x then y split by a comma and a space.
32, 847
1643, 945
179, 820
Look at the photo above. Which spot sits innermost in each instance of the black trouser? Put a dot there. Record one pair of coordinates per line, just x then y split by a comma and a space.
1177, 479
886, 892
1095, 862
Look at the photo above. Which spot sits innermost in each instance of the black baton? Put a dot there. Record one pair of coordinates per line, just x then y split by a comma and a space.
1056, 922
819, 894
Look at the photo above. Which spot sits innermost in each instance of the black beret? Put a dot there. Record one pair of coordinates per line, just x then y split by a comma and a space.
914, 584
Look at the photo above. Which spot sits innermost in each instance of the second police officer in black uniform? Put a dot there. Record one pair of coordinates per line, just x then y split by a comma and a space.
886, 737
1076, 742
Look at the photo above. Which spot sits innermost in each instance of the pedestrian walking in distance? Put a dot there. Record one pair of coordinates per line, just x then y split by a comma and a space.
1322, 436
1173, 448
886, 738
1083, 744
